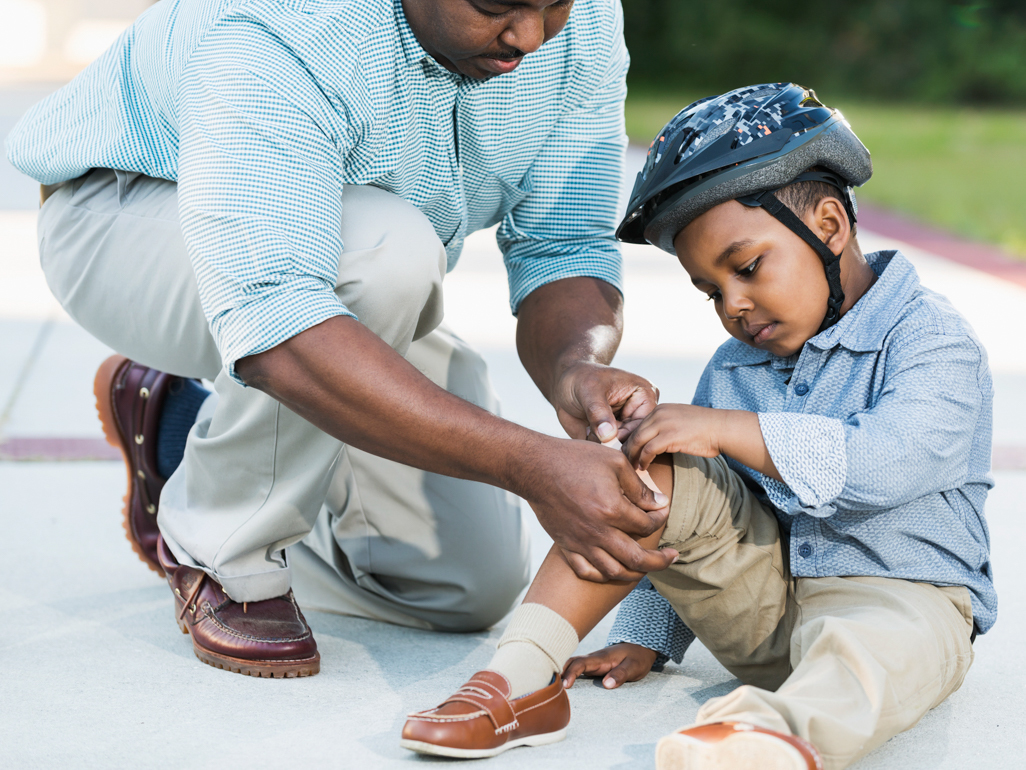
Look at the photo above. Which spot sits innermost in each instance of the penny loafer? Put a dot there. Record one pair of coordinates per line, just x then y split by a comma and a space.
481, 720
268, 638
737, 745
129, 400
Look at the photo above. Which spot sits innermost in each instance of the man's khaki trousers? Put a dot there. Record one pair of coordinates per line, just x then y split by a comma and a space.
263, 500
844, 662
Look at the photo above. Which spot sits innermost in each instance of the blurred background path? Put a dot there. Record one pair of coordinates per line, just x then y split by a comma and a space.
93, 672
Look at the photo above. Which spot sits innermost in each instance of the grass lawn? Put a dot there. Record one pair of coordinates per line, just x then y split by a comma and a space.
961, 169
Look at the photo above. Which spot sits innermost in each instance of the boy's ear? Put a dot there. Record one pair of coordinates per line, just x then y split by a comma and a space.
830, 223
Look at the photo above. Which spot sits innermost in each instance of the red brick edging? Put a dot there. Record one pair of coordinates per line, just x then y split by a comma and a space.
979, 256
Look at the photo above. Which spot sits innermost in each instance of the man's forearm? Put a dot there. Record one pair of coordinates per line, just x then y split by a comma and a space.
345, 380
565, 322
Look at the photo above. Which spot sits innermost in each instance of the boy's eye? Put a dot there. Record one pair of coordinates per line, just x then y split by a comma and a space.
750, 268
713, 297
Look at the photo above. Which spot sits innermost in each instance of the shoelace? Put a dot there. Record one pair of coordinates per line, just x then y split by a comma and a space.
193, 595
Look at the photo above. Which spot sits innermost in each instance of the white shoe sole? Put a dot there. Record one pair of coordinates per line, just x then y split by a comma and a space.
447, 751
741, 751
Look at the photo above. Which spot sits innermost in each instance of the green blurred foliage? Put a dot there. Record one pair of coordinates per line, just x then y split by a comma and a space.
957, 167
919, 50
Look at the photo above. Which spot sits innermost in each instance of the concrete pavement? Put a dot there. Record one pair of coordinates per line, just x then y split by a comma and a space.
94, 673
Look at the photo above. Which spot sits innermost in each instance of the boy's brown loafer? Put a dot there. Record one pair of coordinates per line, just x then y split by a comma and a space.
129, 400
268, 638
480, 720
737, 745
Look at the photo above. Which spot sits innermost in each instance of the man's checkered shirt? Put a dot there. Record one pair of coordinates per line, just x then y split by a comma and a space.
881, 429
262, 109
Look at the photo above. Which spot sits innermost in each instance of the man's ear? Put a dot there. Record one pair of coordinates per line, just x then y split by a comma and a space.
830, 223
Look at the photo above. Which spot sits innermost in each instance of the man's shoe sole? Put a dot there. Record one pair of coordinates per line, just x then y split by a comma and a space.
448, 751
269, 669
102, 385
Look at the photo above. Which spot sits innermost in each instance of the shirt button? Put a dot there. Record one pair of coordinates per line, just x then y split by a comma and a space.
801, 389
805, 550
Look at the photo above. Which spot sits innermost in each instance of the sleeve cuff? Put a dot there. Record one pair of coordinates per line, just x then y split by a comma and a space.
809, 451
647, 619
267, 321
531, 267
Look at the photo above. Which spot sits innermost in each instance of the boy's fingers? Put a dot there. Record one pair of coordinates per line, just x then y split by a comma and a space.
594, 664
617, 676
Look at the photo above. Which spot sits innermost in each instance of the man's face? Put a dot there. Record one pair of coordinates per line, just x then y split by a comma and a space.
768, 286
484, 38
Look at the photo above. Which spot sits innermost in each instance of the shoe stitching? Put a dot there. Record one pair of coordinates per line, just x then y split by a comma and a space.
210, 614
447, 718
536, 705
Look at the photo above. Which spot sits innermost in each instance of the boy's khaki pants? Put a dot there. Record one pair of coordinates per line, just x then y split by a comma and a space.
364, 536
844, 662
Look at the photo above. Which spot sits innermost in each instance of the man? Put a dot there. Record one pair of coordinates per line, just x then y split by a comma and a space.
268, 194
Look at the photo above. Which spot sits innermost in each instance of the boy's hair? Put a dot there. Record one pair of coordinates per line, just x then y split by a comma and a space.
802, 197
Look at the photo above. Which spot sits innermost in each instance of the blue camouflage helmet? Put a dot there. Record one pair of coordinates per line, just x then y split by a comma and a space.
744, 145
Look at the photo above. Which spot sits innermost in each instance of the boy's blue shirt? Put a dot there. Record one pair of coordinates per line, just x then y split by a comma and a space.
881, 430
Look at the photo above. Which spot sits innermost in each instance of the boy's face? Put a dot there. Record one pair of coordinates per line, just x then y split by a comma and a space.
768, 286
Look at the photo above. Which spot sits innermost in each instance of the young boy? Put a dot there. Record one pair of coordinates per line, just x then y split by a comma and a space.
827, 485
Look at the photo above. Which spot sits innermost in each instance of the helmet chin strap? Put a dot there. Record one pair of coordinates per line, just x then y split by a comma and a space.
831, 262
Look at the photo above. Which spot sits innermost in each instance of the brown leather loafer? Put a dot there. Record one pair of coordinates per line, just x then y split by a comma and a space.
129, 399
268, 638
737, 745
480, 720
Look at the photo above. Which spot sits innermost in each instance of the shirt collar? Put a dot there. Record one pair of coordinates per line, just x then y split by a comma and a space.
862, 329
412, 49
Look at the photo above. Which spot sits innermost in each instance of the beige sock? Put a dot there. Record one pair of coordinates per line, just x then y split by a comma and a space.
537, 644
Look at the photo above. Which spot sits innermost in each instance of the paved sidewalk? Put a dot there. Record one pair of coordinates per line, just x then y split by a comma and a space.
93, 672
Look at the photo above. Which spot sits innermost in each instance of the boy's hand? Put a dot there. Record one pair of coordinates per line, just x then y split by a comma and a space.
616, 664
693, 430
702, 432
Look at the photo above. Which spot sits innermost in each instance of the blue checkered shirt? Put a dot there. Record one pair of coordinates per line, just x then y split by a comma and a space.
881, 430
262, 109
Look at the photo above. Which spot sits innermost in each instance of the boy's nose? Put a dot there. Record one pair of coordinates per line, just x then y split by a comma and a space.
734, 305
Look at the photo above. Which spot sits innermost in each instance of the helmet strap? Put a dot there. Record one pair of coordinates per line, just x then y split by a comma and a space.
831, 262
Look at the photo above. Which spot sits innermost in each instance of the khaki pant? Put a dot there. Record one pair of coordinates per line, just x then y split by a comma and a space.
844, 662
263, 499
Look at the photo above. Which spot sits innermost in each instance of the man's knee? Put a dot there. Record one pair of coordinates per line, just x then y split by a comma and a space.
489, 593
392, 265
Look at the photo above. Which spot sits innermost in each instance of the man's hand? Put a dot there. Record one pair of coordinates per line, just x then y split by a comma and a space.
616, 664
593, 505
602, 398
702, 432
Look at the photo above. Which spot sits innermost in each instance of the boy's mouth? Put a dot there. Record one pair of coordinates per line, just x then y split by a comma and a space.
760, 332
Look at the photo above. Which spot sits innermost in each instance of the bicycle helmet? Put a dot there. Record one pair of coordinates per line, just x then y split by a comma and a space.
743, 146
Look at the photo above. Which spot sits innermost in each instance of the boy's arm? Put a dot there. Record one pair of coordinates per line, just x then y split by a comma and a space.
915, 440
704, 432
646, 618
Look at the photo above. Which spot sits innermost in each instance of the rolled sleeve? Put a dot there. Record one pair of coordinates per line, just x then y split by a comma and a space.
565, 226
809, 452
915, 440
260, 191
647, 619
